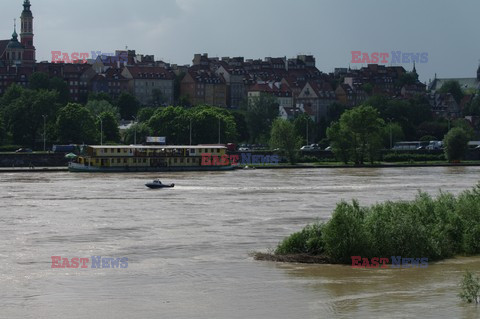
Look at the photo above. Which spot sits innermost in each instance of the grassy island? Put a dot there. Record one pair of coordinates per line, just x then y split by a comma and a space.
427, 227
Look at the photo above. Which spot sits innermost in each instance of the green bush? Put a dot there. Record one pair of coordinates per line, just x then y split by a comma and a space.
308, 159
409, 157
456, 144
470, 288
307, 241
344, 235
426, 227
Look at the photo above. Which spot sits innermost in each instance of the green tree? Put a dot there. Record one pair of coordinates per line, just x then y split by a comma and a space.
433, 128
368, 88
128, 105
455, 144
2, 130
110, 126
260, 113
472, 108
334, 111
408, 78
363, 127
100, 96
24, 115
241, 124
76, 124
301, 126
205, 124
284, 137
12, 93
39, 81
59, 85
465, 125
171, 122
452, 87
392, 133
97, 107
142, 130
427, 138
145, 114
339, 141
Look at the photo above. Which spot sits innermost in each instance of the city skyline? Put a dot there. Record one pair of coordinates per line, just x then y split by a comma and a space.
174, 31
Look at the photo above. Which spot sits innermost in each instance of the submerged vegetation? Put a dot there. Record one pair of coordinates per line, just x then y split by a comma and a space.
470, 288
426, 227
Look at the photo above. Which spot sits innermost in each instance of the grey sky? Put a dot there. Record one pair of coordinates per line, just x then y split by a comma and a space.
173, 30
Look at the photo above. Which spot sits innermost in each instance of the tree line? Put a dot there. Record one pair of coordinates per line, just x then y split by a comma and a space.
356, 134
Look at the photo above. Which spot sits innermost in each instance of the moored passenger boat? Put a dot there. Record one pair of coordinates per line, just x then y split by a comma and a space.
140, 158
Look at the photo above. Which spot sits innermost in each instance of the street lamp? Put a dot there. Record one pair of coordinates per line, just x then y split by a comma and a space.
44, 132
101, 130
135, 127
219, 125
190, 131
307, 118
391, 134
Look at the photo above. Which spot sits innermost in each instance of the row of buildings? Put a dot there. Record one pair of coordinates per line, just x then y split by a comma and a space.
296, 83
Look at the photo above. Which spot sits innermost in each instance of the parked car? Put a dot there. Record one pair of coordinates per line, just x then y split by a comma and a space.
24, 150
328, 148
307, 148
435, 145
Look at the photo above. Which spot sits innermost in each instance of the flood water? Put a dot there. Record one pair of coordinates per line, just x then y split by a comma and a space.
188, 247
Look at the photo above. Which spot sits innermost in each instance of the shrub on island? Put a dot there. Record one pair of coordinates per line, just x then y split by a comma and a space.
426, 227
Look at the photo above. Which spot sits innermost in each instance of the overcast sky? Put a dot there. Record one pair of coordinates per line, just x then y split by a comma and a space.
173, 30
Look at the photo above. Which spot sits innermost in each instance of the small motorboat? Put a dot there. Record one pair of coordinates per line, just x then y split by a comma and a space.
158, 184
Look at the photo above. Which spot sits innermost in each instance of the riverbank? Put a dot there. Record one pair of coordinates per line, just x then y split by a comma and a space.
379, 165
293, 258
33, 170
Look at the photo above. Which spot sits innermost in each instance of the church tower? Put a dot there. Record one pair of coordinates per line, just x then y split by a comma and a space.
26, 34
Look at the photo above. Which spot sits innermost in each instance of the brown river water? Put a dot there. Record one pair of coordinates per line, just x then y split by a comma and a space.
188, 247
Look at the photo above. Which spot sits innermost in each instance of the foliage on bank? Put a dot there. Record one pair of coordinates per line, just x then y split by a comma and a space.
426, 227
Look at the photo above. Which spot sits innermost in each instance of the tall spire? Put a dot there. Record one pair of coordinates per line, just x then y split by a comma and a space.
26, 5
14, 34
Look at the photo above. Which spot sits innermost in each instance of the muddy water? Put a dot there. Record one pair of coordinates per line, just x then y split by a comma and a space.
188, 247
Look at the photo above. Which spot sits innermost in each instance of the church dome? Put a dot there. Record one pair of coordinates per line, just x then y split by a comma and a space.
14, 44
